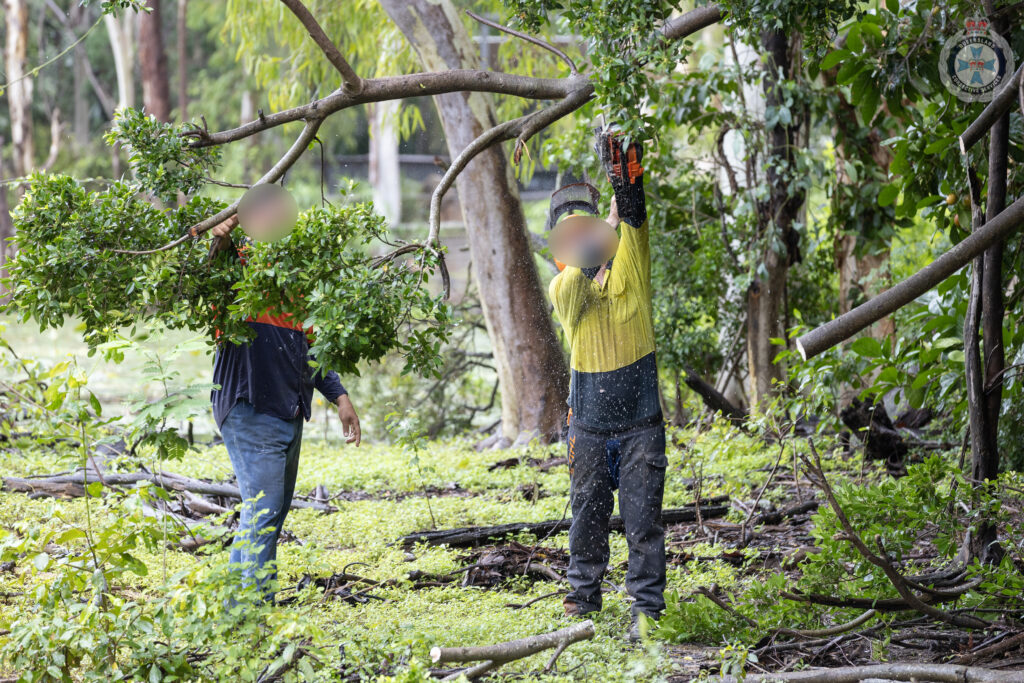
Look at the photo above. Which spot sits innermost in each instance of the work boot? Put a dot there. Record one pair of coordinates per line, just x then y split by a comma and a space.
636, 631
574, 610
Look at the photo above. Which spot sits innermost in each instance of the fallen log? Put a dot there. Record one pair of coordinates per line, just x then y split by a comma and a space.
713, 398
493, 656
938, 673
72, 485
479, 535
776, 516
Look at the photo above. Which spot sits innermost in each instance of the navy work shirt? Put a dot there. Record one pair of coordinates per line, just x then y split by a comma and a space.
272, 372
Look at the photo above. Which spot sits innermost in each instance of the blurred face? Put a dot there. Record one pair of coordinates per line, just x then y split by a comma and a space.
267, 213
583, 241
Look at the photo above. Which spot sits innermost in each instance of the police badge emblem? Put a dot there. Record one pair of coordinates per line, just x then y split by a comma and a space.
975, 61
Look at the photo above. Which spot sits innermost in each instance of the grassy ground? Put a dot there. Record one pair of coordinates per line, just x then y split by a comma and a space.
363, 531
384, 491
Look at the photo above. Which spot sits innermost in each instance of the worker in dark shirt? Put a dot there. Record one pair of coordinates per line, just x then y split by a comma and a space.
616, 436
265, 395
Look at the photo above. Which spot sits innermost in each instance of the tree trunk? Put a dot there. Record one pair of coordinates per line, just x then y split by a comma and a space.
384, 173
121, 34
156, 84
530, 361
6, 225
19, 92
767, 289
182, 48
80, 115
985, 442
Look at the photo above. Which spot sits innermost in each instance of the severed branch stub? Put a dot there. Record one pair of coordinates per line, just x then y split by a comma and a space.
493, 656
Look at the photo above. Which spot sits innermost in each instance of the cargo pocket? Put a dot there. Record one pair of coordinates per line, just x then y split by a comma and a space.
656, 460
654, 452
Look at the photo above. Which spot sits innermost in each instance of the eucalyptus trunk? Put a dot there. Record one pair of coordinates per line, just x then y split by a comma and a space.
530, 361
19, 89
156, 84
767, 292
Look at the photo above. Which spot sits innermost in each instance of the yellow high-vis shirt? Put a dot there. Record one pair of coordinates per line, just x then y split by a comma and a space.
610, 331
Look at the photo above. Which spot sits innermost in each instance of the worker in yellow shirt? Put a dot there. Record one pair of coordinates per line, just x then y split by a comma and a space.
616, 436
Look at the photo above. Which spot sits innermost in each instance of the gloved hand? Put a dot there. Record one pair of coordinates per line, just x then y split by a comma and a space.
625, 174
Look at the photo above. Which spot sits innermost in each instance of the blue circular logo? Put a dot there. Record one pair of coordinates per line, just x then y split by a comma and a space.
975, 62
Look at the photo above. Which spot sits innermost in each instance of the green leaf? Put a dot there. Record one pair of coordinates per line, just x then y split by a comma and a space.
833, 58
41, 561
868, 347
887, 195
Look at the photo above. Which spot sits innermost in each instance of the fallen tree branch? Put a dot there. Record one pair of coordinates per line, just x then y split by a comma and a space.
72, 486
469, 536
493, 656
992, 650
881, 560
712, 398
938, 673
769, 518
832, 630
880, 604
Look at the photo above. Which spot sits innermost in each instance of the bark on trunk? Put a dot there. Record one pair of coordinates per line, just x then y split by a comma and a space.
182, 49
121, 34
530, 361
985, 442
19, 92
384, 173
156, 85
767, 290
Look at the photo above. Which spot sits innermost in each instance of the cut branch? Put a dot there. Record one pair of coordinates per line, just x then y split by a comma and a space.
351, 79
493, 656
73, 486
845, 326
712, 398
881, 560
272, 176
939, 673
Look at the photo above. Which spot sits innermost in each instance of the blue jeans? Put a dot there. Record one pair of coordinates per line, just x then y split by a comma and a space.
264, 453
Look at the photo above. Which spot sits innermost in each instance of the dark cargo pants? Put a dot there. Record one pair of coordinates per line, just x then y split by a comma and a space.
636, 458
